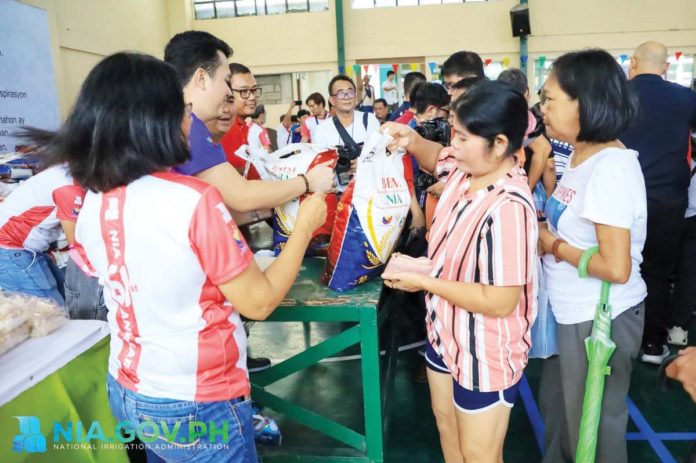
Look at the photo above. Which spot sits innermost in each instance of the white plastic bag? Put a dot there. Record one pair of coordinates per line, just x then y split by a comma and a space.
370, 216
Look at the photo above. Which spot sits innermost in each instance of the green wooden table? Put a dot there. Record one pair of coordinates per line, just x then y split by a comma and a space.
311, 301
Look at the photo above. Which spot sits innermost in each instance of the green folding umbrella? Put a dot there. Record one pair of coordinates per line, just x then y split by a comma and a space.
599, 348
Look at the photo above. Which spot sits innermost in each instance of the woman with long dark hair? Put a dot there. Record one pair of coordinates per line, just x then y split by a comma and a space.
176, 271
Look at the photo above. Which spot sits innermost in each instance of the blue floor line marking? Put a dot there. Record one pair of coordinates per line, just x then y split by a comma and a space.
535, 419
655, 439
651, 436
663, 436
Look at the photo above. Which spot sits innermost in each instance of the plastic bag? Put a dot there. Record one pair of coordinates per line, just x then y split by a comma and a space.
46, 317
41, 315
369, 218
11, 339
544, 342
12, 313
403, 263
286, 163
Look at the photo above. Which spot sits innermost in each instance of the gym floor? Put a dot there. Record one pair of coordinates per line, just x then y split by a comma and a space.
333, 389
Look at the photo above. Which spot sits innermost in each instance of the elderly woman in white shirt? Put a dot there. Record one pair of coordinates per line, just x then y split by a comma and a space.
599, 201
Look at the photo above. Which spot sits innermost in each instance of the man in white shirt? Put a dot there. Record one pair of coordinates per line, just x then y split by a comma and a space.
390, 91
367, 94
258, 135
358, 125
287, 120
317, 107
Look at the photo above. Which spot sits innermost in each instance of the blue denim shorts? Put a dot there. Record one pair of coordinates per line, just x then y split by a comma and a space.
31, 273
470, 401
173, 446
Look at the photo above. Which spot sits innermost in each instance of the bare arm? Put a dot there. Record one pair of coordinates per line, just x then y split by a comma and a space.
549, 177
256, 294
612, 263
425, 151
242, 195
494, 301
287, 119
417, 216
69, 229
540, 153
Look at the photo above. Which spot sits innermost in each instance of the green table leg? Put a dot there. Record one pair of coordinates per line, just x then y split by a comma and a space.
369, 345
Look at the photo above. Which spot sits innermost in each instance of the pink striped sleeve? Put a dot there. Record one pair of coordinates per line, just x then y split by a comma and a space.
508, 253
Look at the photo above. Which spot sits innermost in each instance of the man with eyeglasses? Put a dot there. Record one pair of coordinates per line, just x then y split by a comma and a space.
358, 125
460, 65
246, 95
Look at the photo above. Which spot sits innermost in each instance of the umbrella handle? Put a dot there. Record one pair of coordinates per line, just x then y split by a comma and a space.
585, 261
582, 272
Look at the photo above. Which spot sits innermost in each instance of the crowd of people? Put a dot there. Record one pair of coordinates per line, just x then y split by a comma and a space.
146, 179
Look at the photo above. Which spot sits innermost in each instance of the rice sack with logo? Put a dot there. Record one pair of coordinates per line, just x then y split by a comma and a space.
287, 163
370, 217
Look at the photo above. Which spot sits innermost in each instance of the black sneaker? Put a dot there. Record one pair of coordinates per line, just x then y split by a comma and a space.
255, 364
654, 353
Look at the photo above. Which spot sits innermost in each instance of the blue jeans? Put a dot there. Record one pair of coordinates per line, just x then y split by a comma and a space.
31, 273
84, 296
211, 447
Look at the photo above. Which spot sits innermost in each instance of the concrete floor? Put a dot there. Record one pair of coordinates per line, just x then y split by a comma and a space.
333, 389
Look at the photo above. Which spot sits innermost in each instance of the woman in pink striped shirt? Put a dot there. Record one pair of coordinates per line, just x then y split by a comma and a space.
481, 293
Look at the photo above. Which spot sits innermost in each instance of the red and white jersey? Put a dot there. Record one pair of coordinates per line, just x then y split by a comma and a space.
161, 246
30, 216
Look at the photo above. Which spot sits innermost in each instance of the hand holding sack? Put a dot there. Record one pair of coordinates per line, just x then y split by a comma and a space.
287, 163
369, 217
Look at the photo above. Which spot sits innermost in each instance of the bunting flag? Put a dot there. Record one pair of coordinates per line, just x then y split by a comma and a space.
506, 62
366, 68
341, 69
395, 67
623, 58
542, 61
488, 61
432, 67
523, 59
678, 55
415, 67
356, 70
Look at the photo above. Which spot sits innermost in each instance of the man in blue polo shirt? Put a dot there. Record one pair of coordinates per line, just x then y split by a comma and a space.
200, 61
660, 134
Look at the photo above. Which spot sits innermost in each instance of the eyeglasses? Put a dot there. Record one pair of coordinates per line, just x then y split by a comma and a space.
245, 93
344, 95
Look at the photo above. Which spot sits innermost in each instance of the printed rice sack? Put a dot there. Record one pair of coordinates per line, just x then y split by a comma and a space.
369, 218
287, 163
